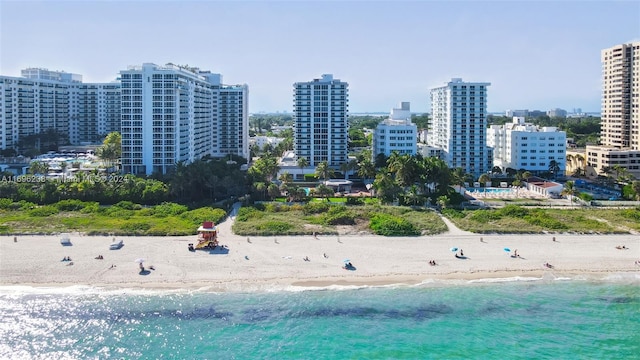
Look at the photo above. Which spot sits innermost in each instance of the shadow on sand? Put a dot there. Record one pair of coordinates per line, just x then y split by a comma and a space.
144, 272
219, 250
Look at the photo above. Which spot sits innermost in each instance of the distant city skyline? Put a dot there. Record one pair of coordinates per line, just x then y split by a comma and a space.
536, 55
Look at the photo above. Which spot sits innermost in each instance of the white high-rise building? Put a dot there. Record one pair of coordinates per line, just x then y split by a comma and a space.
397, 133
168, 116
233, 121
173, 114
459, 111
321, 120
521, 145
620, 135
44, 100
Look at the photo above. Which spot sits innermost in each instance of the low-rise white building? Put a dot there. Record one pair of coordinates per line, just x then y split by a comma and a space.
261, 141
397, 133
521, 145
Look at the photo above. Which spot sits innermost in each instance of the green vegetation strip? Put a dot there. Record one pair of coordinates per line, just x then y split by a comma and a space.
513, 219
123, 218
324, 218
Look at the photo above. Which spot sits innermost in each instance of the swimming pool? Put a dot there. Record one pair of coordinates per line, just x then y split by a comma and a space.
491, 190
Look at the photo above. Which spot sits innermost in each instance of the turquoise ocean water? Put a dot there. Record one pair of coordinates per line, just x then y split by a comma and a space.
505, 320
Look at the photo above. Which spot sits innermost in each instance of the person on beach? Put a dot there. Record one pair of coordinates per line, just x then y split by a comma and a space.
325, 255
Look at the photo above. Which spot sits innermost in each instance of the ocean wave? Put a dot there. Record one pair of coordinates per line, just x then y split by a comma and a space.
507, 279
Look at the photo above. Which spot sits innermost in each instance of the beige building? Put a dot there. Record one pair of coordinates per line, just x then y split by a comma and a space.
620, 134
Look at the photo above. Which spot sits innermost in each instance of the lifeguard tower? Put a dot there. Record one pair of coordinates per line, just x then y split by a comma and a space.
207, 236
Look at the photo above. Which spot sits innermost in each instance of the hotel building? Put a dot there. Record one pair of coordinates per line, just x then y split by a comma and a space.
620, 126
397, 133
320, 117
521, 145
459, 111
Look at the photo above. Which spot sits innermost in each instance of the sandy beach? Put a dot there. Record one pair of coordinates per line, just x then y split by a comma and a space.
265, 263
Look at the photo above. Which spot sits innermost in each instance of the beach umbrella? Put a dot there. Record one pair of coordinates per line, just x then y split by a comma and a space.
454, 249
346, 261
507, 250
139, 260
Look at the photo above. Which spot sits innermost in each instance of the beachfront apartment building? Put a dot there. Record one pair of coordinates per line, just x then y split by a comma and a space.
520, 145
233, 121
620, 113
169, 115
320, 116
458, 114
42, 100
395, 134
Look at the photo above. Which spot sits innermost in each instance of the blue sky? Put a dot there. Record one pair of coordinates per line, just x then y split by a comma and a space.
536, 55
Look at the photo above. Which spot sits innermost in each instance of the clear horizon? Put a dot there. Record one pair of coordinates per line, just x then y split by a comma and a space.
536, 55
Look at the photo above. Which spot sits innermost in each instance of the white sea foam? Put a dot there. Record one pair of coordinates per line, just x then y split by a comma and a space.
508, 279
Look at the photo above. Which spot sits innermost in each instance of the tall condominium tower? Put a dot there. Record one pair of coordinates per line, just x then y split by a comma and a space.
620, 134
43, 100
174, 114
168, 116
320, 110
233, 121
458, 112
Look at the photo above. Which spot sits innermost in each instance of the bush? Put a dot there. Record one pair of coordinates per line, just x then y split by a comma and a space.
43, 211
633, 214
198, 216
23, 205
136, 227
453, 213
169, 209
245, 213
484, 216
389, 225
540, 218
352, 200
315, 208
5, 203
339, 215
513, 211
72, 205
116, 212
91, 207
274, 227
128, 205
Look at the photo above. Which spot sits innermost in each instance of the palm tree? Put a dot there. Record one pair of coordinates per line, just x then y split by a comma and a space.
484, 179
302, 163
39, 168
285, 177
570, 190
323, 171
324, 191
366, 169
404, 168
554, 168
386, 188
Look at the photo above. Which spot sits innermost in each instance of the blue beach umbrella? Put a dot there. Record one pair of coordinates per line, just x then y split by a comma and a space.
454, 249
507, 249
346, 261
